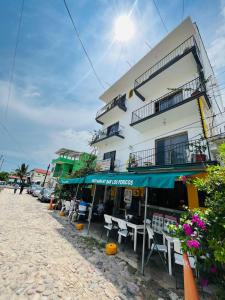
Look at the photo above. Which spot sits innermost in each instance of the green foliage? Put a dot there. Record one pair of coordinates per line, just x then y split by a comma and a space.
214, 187
22, 171
88, 162
4, 176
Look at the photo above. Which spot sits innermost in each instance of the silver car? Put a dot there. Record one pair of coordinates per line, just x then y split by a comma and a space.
37, 191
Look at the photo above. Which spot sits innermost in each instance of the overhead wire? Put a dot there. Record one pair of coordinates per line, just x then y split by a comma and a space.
82, 45
158, 11
10, 135
182, 15
168, 132
12, 69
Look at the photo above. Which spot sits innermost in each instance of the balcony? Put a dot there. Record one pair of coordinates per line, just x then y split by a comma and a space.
177, 97
192, 153
110, 132
117, 104
184, 57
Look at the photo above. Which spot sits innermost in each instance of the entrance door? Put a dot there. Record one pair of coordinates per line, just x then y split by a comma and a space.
172, 150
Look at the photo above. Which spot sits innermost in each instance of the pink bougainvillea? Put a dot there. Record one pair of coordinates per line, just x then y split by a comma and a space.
193, 244
187, 229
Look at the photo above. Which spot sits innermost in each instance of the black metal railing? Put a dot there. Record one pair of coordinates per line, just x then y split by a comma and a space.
106, 133
178, 51
119, 100
195, 151
176, 96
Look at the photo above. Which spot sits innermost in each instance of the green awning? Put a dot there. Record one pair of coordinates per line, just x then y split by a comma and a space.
126, 179
119, 179
167, 180
71, 180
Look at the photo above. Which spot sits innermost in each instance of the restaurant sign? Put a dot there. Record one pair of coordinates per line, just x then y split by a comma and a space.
103, 165
117, 182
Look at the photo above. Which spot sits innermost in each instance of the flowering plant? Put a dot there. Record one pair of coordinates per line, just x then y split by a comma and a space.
191, 232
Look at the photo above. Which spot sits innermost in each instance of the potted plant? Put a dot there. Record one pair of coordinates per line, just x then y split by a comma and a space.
133, 162
198, 150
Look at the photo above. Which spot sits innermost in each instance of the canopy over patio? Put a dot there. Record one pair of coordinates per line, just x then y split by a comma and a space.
154, 180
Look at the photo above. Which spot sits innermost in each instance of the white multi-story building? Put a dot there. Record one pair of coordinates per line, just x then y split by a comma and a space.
159, 114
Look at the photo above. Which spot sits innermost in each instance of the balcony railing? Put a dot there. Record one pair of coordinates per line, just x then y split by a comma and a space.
178, 154
174, 54
169, 100
119, 100
106, 133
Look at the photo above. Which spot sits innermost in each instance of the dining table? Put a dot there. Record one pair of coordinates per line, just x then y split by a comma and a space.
136, 228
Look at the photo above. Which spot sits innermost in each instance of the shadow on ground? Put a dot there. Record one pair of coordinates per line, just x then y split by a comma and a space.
123, 275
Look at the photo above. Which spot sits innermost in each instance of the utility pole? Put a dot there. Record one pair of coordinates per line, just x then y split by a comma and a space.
1, 161
46, 175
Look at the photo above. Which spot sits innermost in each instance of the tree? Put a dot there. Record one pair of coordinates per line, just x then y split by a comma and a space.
88, 163
22, 171
4, 176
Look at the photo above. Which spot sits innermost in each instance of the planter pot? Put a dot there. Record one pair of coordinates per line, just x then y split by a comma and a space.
190, 288
198, 157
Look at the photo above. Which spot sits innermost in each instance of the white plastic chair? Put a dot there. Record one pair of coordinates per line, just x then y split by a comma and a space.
160, 248
123, 231
108, 225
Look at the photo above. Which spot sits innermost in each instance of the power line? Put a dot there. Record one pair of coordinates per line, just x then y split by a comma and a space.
190, 140
10, 135
14, 59
158, 11
182, 16
82, 45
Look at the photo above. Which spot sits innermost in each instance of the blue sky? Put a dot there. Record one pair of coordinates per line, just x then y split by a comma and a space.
54, 93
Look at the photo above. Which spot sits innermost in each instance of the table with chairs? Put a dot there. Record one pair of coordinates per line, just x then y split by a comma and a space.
123, 226
158, 236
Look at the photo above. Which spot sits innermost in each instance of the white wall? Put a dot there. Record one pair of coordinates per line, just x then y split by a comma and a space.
164, 124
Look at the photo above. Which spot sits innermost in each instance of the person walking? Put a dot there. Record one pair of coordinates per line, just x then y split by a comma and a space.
21, 188
16, 186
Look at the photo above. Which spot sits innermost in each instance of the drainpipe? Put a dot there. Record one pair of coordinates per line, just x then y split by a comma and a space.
203, 127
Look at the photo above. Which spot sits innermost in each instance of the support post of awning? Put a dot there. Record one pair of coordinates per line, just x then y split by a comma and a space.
105, 194
144, 233
91, 209
77, 190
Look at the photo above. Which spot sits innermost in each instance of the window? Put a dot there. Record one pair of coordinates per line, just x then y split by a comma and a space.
113, 129
110, 155
169, 102
172, 150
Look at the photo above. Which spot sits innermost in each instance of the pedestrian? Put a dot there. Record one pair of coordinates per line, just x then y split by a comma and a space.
16, 186
21, 188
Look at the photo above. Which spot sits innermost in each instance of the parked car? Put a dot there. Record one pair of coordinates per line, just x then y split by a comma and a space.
46, 195
31, 188
37, 191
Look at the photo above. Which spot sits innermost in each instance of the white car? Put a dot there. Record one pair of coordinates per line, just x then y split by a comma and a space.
37, 191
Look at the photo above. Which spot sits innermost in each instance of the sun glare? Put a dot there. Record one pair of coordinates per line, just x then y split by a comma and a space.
124, 28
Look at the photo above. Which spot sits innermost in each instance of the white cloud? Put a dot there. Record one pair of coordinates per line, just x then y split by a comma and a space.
217, 47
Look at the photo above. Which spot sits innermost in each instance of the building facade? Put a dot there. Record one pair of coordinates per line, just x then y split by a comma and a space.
159, 115
68, 162
38, 176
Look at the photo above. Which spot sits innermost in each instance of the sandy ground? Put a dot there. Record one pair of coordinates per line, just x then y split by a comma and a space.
40, 260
